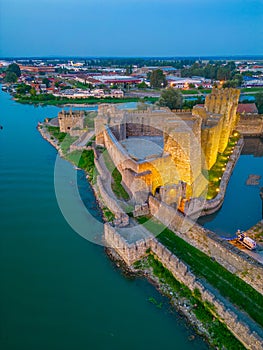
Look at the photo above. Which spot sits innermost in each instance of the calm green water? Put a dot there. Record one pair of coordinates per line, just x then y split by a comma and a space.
58, 290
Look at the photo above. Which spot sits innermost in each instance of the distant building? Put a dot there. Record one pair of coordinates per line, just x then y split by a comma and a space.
247, 108
36, 69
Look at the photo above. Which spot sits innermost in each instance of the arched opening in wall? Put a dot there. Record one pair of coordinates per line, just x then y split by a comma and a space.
68, 128
157, 192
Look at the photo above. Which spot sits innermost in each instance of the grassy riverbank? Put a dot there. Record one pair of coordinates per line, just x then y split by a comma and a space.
215, 331
46, 99
229, 285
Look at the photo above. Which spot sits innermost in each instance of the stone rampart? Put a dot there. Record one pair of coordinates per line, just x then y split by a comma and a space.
109, 199
129, 252
250, 125
233, 259
238, 323
251, 336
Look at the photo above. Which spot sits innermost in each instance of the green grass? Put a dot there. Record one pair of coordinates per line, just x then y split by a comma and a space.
56, 101
252, 89
205, 91
189, 92
83, 159
109, 216
116, 177
216, 172
54, 131
230, 286
221, 337
64, 139
68, 140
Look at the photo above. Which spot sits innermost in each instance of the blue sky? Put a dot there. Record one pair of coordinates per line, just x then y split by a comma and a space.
131, 27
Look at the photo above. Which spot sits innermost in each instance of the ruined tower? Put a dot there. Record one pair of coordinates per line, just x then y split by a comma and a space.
69, 120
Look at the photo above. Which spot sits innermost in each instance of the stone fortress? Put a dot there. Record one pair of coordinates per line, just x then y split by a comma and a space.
70, 121
188, 145
162, 157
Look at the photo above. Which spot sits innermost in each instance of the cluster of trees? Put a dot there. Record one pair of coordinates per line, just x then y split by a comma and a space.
157, 79
171, 98
216, 71
12, 73
23, 89
259, 102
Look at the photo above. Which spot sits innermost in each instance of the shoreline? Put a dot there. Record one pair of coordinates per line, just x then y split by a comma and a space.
177, 302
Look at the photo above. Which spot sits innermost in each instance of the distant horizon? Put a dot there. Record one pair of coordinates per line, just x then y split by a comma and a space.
222, 57
149, 28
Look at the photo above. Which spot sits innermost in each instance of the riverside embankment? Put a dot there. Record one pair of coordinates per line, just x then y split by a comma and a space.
128, 253
59, 291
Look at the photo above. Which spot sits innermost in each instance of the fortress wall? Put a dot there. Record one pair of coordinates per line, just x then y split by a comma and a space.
250, 337
253, 145
118, 154
128, 252
230, 257
214, 204
112, 204
222, 309
251, 125
210, 138
142, 129
224, 101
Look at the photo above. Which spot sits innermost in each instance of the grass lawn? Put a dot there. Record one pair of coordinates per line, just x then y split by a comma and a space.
64, 139
189, 92
252, 89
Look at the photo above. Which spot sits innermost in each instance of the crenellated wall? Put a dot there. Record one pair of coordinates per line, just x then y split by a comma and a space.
225, 102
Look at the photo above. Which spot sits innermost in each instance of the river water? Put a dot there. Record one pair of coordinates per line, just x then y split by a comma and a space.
58, 290
242, 207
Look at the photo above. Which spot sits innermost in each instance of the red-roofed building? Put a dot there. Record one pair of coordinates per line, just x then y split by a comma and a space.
247, 108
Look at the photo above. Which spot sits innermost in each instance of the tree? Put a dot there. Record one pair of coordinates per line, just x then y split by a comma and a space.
158, 79
23, 89
10, 77
33, 92
14, 68
171, 98
259, 102
46, 82
142, 85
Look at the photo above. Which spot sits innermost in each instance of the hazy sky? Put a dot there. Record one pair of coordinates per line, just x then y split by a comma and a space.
130, 27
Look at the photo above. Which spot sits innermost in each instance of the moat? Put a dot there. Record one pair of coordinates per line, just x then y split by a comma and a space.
242, 206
